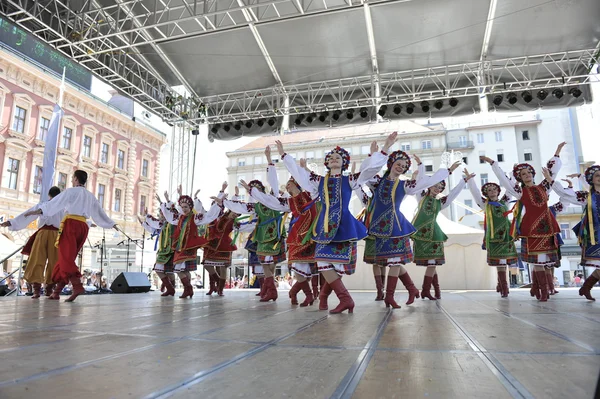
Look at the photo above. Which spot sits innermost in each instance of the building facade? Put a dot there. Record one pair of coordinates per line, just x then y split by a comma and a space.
120, 155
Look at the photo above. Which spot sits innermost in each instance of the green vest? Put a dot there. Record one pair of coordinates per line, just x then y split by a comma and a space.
268, 233
425, 221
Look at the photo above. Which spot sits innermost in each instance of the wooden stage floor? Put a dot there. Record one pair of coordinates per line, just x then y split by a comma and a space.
468, 345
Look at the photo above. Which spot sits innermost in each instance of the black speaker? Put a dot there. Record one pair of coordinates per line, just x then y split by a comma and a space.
130, 282
4, 290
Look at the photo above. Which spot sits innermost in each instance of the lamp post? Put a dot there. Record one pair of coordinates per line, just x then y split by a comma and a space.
448, 158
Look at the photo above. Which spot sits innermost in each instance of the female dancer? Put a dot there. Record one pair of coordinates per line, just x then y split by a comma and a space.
301, 251
587, 229
388, 225
538, 227
336, 230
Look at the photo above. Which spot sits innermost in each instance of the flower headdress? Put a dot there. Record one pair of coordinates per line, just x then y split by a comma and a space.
398, 155
518, 168
487, 186
186, 199
343, 153
258, 185
589, 173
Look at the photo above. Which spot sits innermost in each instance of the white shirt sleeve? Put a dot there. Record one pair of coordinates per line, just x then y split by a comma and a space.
198, 207
272, 178
309, 182
246, 227
476, 193
270, 201
570, 196
423, 182
20, 221
511, 188
210, 216
368, 169
243, 208
170, 216
100, 217
447, 200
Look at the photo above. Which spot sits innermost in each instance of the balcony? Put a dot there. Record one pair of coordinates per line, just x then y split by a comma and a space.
460, 145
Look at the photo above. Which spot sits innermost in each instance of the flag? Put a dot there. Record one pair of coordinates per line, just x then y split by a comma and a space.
50, 152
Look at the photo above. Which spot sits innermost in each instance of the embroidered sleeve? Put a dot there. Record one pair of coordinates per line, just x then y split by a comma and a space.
581, 196
557, 208
314, 177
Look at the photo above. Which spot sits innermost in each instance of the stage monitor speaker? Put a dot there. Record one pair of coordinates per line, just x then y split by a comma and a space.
4, 290
130, 282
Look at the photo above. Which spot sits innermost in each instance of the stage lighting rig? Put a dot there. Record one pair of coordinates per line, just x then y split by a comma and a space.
227, 127
336, 114
558, 93
311, 117
249, 123
542, 94
575, 92
498, 100
364, 113
410, 108
527, 97
261, 122
438, 104
397, 109
453, 102
512, 98
425, 106
350, 113
271, 121
382, 110
299, 119
215, 128
323, 116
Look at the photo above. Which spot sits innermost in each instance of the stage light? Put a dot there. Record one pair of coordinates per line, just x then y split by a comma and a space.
215, 128
425, 106
299, 119
311, 117
350, 113
260, 122
237, 125
249, 123
410, 108
512, 98
453, 102
227, 127
382, 110
336, 114
527, 97
438, 104
271, 121
364, 113
323, 116
397, 109
575, 92
558, 93
498, 100
542, 94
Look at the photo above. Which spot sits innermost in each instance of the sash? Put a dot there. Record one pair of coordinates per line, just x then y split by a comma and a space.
62, 225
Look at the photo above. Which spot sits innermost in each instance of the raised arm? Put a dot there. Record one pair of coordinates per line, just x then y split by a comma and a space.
272, 178
423, 181
243, 208
309, 182
475, 192
100, 217
210, 216
270, 201
511, 188
58, 204
21, 221
170, 213
447, 200
555, 164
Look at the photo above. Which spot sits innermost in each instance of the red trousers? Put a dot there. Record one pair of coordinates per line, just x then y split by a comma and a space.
72, 238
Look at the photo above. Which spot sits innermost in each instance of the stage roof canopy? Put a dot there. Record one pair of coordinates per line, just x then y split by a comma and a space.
250, 59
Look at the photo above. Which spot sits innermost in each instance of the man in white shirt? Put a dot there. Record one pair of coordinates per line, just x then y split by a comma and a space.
79, 205
40, 247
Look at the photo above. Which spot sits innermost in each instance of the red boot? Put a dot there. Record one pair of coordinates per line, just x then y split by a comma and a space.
212, 286
586, 288
294, 290
413, 291
77, 289
503, 284
436, 287
37, 288
169, 289
323, 295
221, 286
188, 290
427, 280
379, 285
498, 286
261, 284
346, 302
314, 281
48, 289
390, 289
535, 288
270, 290
57, 289
541, 278
550, 280
310, 299
162, 286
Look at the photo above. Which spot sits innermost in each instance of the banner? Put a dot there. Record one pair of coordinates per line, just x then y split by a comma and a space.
51, 146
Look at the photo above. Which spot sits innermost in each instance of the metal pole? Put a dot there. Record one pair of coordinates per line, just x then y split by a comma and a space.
143, 245
194, 163
127, 257
20, 275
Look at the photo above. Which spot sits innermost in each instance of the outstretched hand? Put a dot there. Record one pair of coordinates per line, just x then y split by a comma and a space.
574, 176
236, 191
268, 155
279, 147
547, 174
569, 182
487, 159
218, 200
166, 196
196, 193
224, 186
179, 190
389, 141
245, 185
559, 148
5, 224
455, 165
374, 147
416, 157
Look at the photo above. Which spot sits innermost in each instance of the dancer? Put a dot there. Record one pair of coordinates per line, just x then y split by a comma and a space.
301, 251
186, 239
587, 229
336, 230
78, 205
537, 228
388, 225
429, 238
497, 241
40, 247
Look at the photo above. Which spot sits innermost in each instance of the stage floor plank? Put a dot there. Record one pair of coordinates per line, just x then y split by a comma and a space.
470, 344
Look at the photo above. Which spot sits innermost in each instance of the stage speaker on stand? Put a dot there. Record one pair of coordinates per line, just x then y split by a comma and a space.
130, 282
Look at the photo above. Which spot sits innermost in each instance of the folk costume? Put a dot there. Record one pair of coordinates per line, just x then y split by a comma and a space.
587, 229
40, 247
390, 229
77, 205
301, 250
186, 239
533, 222
336, 230
429, 238
497, 241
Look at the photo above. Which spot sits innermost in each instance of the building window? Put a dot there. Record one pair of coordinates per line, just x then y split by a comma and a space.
62, 181
101, 191
498, 136
37, 180
19, 120
481, 155
426, 144
13, 173
405, 147
565, 231
462, 140
365, 149
525, 134
142, 204
465, 161
468, 203
145, 168
484, 178
104, 153
500, 157
87, 146
310, 155
257, 160
528, 156
117, 200
241, 161
428, 168
43, 131
480, 138
66, 139
121, 159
